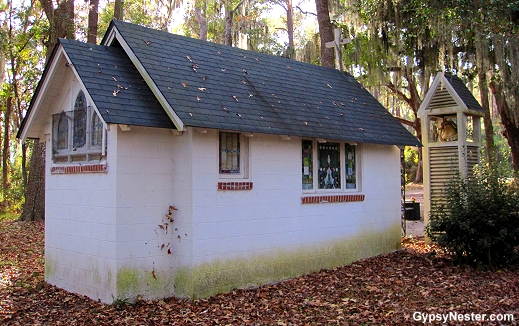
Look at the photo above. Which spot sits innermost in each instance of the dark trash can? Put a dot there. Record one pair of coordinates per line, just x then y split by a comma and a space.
412, 211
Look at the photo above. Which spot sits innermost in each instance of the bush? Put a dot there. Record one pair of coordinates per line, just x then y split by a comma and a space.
479, 221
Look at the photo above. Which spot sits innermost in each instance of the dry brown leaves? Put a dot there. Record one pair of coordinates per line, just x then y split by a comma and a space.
383, 290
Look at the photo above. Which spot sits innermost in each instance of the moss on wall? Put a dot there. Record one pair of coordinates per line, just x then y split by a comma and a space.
222, 276
131, 282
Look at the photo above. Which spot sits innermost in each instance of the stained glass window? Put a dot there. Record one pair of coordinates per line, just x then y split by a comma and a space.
80, 120
78, 135
61, 131
229, 153
328, 155
351, 167
97, 130
308, 181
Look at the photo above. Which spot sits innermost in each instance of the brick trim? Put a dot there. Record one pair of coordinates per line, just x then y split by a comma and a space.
72, 169
331, 199
244, 185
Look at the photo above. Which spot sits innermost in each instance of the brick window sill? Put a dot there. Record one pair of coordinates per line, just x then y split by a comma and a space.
75, 169
235, 185
323, 199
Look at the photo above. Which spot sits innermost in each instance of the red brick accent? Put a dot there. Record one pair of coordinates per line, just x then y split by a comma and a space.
71, 169
331, 199
244, 185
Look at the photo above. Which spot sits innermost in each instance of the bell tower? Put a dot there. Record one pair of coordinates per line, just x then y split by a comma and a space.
451, 133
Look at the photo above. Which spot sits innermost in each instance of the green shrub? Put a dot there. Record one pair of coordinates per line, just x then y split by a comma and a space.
479, 220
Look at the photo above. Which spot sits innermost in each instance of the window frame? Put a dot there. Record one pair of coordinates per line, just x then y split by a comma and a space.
243, 142
74, 155
343, 166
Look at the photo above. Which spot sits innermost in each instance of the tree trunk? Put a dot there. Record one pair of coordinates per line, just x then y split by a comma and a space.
326, 33
61, 22
5, 153
201, 17
510, 128
118, 10
34, 207
482, 54
229, 19
291, 51
93, 18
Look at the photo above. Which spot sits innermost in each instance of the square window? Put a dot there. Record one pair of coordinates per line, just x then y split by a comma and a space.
229, 153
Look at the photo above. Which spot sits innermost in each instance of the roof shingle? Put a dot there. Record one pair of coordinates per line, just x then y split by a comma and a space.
216, 86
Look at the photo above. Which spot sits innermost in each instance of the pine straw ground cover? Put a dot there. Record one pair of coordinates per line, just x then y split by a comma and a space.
383, 290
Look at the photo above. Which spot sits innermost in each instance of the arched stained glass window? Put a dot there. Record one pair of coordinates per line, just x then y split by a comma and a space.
62, 131
80, 120
97, 131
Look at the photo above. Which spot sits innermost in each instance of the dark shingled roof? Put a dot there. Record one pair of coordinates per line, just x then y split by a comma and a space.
463, 92
116, 87
211, 85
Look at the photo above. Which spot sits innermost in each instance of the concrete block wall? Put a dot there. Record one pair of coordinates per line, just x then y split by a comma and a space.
246, 237
80, 224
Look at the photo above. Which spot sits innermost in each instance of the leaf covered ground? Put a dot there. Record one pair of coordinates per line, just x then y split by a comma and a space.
384, 290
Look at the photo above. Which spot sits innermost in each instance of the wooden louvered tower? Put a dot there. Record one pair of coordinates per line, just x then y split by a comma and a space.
451, 133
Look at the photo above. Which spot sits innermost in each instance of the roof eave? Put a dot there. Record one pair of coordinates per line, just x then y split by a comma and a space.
39, 91
115, 34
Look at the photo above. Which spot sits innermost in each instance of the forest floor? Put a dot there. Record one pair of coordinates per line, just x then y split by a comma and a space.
399, 288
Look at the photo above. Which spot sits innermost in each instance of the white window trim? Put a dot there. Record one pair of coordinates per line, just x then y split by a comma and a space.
315, 166
86, 150
244, 174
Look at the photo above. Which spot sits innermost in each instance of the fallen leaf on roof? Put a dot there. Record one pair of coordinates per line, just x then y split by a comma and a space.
329, 85
107, 111
198, 98
245, 71
274, 95
361, 129
147, 42
201, 89
114, 78
234, 97
223, 70
288, 67
306, 123
256, 59
115, 93
204, 78
191, 114
189, 58
223, 107
195, 67
115, 66
219, 52
238, 114
184, 84
250, 95
244, 82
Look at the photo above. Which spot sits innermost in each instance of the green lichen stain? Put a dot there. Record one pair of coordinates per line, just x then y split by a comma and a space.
49, 268
133, 282
223, 276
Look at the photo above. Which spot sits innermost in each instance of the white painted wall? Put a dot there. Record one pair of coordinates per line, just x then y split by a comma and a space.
103, 237
231, 224
80, 219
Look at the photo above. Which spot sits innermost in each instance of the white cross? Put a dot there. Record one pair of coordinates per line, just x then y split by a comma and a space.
336, 43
